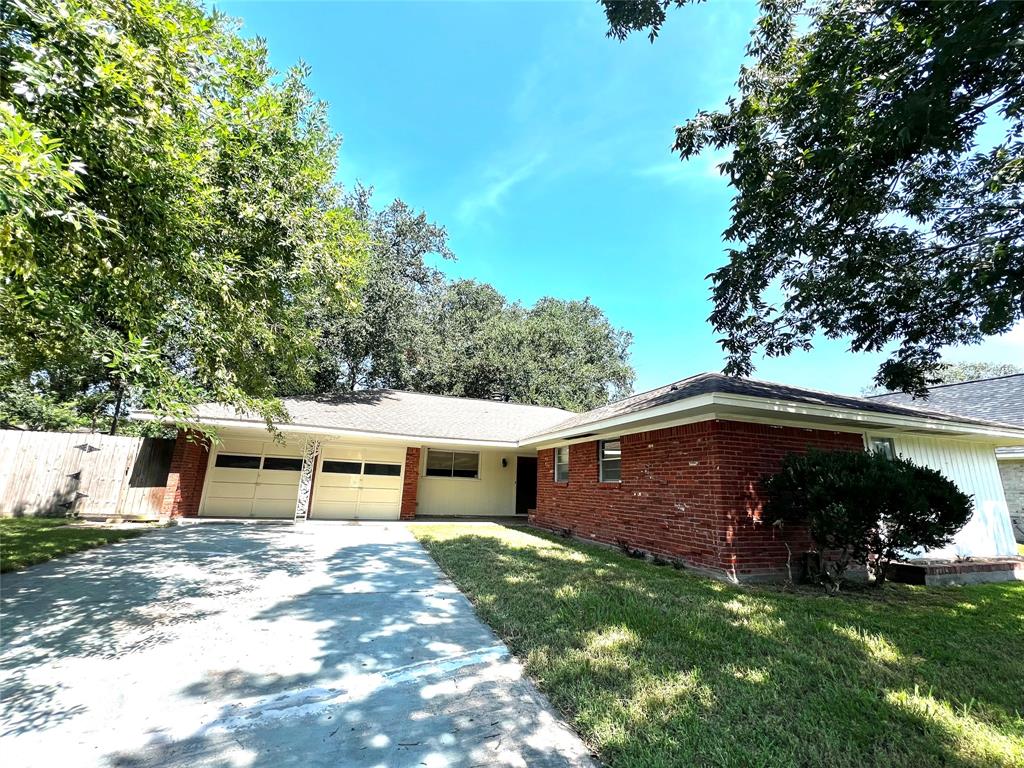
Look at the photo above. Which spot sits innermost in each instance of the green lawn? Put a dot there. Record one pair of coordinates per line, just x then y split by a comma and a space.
657, 667
26, 541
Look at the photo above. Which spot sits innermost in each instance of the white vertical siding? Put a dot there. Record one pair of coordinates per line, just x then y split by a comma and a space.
973, 467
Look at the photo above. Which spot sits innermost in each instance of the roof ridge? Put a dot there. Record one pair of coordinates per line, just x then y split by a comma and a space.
427, 394
949, 384
652, 389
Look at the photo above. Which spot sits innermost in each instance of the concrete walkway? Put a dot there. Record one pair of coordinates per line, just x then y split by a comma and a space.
252, 646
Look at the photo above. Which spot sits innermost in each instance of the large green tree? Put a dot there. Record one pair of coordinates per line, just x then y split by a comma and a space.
168, 215
558, 353
380, 340
878, 169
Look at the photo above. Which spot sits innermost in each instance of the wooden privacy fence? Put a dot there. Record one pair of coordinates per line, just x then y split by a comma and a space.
88, 475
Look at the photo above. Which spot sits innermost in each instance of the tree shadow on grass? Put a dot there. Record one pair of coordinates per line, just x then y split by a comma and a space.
658, 667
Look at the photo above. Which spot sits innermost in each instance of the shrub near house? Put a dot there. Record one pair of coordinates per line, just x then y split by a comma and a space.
867, 508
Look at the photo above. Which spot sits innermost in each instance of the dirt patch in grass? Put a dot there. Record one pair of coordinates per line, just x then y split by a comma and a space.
25, 541
657, 667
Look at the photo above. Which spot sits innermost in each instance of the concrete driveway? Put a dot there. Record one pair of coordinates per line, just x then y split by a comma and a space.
238, 646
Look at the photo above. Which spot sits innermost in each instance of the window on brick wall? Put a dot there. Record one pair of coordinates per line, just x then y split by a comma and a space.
610, 460
562, 464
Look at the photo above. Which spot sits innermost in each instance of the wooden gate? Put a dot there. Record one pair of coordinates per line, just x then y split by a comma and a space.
88, 475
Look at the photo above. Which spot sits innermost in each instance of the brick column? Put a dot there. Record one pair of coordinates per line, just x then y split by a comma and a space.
186, 476
410, 483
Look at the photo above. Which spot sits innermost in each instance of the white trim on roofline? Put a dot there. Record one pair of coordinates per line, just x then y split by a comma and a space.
688, 410
717, 405
354, 434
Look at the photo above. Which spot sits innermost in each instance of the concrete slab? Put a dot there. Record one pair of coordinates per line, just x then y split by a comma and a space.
325, 644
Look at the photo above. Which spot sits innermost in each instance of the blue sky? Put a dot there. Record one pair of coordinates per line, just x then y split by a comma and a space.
543, 147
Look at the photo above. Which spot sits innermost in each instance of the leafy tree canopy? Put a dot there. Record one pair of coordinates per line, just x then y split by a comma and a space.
168, 215
413, 329
558, 353
952, 373
869, 202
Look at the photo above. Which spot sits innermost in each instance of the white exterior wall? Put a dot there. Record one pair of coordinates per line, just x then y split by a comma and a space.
492, 494
973, 467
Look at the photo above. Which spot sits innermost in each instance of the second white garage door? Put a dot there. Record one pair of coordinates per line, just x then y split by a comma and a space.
358, 483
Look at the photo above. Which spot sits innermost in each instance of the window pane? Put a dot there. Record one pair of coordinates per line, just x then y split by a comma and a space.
611, 461
236, 461
466, 465
343, 467
387, 470
439, 463
287, 465
885, 446
562, 464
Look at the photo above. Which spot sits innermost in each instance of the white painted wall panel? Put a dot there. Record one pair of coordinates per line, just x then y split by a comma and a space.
492, 494
973, 467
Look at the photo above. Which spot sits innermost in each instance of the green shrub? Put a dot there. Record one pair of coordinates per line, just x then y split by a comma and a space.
865, 508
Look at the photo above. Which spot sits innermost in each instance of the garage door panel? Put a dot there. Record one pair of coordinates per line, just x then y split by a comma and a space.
277, 508
338, 494
230, 507
231, 490
383, 483
278, 477
332, 480
233, 475
376, 511
335, 510
271, 491
379, 496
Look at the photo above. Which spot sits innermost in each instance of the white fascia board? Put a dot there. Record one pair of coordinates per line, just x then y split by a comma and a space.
351, 434
873, 420
624, 424
763, 410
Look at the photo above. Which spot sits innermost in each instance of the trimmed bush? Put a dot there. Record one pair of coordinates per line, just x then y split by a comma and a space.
865, 508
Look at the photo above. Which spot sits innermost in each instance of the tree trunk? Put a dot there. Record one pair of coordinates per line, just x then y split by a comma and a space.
117, 408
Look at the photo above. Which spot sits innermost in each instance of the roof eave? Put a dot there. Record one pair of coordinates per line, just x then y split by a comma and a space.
352, 434
724, 405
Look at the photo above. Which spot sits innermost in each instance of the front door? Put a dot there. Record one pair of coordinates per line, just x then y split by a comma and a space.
526, 484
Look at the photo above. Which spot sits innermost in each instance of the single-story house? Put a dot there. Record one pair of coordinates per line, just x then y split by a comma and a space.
1000, 398
673, 472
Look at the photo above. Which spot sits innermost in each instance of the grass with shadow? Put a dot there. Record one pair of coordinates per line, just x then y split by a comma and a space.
25, 541
656, 667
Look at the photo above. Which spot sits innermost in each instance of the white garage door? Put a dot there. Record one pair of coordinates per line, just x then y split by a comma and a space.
358, 483
251, 478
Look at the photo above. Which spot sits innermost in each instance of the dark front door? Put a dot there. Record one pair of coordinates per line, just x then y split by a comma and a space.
526, 484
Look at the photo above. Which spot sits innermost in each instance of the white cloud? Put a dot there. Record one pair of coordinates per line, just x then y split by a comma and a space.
496, 187
696, 170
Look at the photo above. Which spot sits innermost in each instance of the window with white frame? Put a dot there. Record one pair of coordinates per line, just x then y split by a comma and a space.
562, 464
452, 464
884, 446
610, 460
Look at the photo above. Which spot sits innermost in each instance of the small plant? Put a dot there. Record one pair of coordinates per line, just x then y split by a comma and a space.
629, 550
865, 508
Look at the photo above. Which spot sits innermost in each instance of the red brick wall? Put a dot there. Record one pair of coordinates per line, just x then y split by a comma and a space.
410, 483
746, 454
689, 492
185, 478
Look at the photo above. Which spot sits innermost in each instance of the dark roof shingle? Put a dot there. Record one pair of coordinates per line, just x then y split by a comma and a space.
717, 383
996, 399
